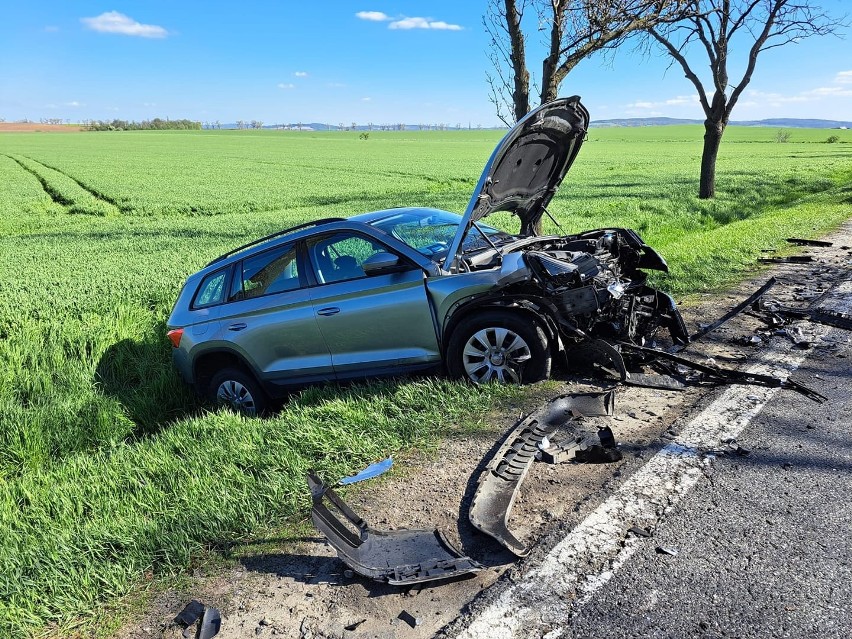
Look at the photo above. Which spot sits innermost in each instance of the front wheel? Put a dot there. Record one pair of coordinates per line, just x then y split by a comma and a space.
499, 345
238, 390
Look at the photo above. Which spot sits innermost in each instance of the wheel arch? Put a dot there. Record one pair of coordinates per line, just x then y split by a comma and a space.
207, 364
535, 310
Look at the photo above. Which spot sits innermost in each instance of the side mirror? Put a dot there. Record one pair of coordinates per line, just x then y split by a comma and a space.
380, 263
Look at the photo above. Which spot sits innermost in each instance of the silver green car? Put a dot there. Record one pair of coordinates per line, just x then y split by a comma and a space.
411, 289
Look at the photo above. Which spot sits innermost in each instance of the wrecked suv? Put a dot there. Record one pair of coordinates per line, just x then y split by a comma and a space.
408, 289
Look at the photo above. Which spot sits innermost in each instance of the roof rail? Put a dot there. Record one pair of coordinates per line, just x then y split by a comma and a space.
324, 220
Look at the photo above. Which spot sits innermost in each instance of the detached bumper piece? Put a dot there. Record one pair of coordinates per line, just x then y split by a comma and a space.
398, 557
502, 477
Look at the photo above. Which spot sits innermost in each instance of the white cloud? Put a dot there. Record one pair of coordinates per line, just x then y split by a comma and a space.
820, 92
301, 74
777, 99
282, 85
366, 99
676, 101
843, 77
423, 23
115, 22
372, 16
74, 103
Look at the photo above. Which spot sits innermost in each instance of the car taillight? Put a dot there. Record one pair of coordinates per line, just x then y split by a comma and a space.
174, 336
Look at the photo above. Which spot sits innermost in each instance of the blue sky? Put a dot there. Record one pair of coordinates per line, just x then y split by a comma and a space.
380, 61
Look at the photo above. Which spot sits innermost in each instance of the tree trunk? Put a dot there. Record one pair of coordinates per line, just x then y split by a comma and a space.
712, 139
518, 57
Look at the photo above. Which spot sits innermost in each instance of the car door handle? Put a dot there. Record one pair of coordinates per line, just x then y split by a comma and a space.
238, 326
328, 310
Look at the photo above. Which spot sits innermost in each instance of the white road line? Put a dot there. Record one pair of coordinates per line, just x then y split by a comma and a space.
542, 603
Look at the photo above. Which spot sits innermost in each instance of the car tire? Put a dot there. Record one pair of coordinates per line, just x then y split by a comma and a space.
499, 345
239, 391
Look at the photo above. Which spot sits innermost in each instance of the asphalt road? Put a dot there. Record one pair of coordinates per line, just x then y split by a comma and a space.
764, 546
738, 527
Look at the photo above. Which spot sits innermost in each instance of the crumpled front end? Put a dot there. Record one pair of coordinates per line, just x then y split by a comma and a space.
595, 282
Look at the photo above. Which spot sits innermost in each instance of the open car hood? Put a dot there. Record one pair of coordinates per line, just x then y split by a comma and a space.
527, 167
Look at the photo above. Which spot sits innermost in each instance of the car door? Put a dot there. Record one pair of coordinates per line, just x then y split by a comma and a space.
270, 319
372, 324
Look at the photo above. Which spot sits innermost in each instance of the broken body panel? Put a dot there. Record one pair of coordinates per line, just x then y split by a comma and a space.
501, 480
398, 557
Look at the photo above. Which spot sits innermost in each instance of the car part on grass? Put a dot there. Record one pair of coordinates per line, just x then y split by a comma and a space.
398, 557
371, 471
209, 626
714, 374
499, 483
790, 259
739, 308
803, 242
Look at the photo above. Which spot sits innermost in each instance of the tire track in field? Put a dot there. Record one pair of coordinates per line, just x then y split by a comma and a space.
55, 195
91, 191
73, 196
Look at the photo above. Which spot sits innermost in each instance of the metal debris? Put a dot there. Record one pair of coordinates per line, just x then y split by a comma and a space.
804, 242
739, 308
408, 618
718, 375
790, 259
208, 627
398, 557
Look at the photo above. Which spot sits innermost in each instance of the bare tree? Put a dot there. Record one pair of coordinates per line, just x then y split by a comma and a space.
710, 27
574, 29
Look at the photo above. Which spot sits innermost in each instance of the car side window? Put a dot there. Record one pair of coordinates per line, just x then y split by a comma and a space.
270, 272
212, 290
339, 257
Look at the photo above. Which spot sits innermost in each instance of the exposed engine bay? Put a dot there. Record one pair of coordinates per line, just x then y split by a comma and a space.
593, 284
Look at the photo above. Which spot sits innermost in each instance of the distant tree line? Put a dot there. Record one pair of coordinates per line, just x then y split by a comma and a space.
157, 124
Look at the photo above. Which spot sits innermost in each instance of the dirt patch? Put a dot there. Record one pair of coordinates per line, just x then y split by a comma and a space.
301, 589
32, 127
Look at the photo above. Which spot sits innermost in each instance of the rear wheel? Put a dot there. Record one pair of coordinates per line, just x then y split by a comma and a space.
499, 346
238, 390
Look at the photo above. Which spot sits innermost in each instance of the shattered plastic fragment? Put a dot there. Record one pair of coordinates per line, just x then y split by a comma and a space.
371, 471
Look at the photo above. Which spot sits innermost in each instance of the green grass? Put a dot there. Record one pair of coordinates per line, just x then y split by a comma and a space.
110, 468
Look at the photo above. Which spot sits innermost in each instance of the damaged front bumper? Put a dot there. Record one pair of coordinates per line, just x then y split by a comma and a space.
502, 478
398, 557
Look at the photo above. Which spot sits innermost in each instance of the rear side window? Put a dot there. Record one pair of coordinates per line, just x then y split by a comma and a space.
275, 271
212, 290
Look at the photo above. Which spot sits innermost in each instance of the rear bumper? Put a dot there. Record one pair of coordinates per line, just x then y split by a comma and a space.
182, 363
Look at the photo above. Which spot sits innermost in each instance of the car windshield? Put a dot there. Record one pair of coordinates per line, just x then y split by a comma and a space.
432, 233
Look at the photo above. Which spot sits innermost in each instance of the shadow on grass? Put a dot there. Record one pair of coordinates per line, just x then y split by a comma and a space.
140, 376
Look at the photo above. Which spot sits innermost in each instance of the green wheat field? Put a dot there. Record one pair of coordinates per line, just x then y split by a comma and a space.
111, 471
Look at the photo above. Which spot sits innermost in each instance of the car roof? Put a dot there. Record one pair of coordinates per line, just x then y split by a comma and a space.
306, 230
